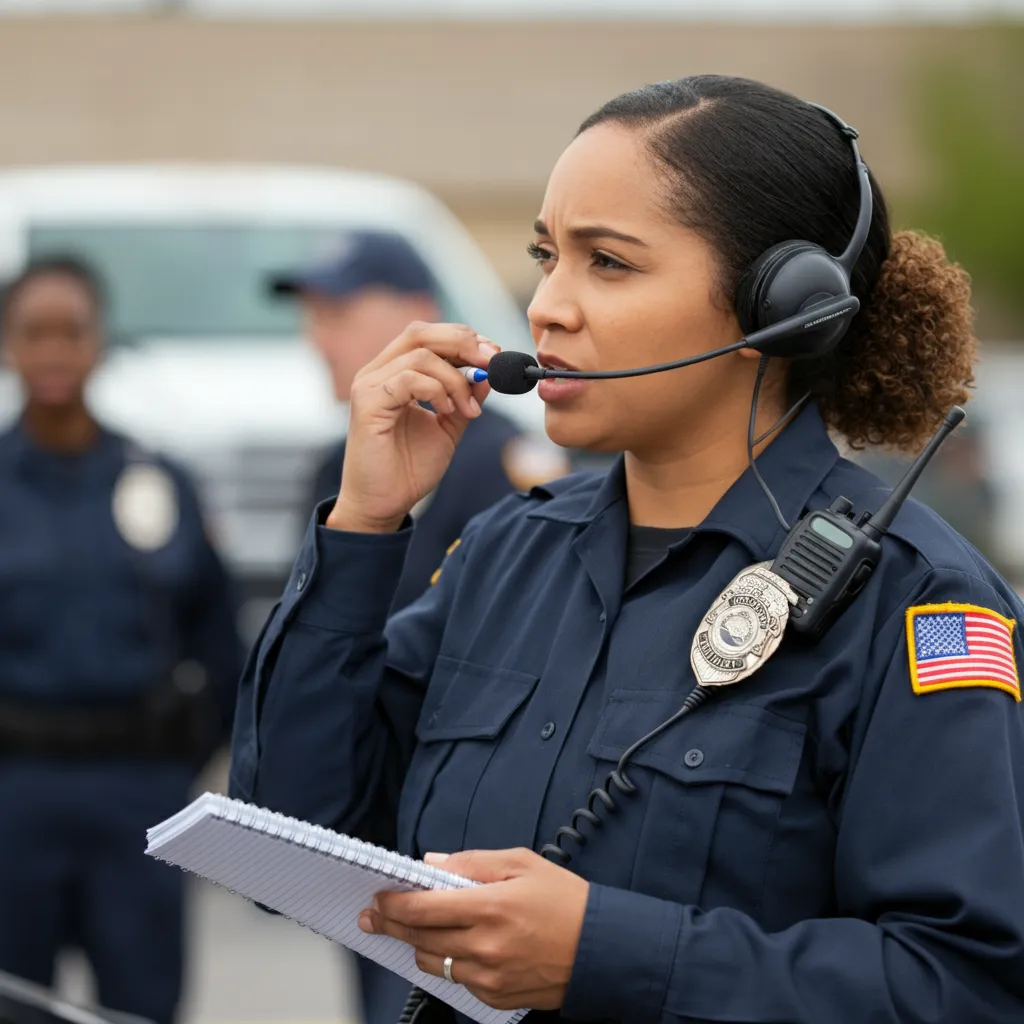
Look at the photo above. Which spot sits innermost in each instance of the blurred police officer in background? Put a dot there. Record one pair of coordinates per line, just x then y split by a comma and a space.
353, 305
118, 661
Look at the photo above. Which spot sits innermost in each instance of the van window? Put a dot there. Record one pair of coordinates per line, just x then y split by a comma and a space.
188, 281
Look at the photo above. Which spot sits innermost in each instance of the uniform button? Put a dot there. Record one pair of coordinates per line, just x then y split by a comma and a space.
602, 617
301, 581
694, 758
548, 731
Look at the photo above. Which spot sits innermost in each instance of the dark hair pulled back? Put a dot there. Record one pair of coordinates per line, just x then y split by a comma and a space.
749, 166
57, 265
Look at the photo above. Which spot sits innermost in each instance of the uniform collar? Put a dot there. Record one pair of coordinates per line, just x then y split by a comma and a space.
25, 455
793, 466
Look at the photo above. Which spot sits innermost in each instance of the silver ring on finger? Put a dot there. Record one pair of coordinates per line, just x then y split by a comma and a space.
448, 970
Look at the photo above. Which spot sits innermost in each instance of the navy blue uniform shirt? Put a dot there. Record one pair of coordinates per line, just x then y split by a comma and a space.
817, 844
87, 618
475, 480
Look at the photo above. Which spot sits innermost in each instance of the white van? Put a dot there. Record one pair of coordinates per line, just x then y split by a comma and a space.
203, 364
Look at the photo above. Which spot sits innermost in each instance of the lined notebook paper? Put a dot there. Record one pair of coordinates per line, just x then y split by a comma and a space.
317, 877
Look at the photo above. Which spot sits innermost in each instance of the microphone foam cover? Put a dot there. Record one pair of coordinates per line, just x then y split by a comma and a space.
506, 373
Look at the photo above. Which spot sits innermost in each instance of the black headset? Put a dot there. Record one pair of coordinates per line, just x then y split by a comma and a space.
796, 277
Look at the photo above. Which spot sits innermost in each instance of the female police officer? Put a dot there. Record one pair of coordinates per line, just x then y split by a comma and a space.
837, 837
118, 662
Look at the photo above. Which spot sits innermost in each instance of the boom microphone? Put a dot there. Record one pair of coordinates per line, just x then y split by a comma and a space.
515, 373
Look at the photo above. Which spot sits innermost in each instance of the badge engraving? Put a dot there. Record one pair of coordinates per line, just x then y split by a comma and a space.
744, 627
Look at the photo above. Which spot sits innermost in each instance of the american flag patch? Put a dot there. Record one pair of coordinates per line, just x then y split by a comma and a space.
953, 645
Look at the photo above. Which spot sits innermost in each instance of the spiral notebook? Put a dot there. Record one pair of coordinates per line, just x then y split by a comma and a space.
317, 877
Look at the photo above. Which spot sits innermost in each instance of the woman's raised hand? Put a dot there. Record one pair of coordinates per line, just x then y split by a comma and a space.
397, 451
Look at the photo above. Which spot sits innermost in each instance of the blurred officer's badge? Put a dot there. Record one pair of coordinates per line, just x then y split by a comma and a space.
743, 628
529, 462
145, 506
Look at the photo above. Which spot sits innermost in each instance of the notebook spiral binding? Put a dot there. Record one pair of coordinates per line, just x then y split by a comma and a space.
329, 844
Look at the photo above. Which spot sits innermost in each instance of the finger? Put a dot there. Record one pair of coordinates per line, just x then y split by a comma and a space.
455, 382
456, 342
440, 941
433, 963
480, 391
486, 983
455, 908
424, 361
486, 865
410, 386
419, 334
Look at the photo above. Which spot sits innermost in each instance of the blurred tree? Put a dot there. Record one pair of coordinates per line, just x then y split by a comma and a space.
972, 129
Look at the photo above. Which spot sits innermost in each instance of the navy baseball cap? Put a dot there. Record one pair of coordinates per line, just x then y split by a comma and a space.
363, 259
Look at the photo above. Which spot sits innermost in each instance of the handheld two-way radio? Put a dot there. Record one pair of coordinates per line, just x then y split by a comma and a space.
827, 557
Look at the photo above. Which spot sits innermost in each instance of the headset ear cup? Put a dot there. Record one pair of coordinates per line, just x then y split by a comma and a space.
789, 279
751, 310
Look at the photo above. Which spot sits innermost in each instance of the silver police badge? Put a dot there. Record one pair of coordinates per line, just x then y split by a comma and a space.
743, 628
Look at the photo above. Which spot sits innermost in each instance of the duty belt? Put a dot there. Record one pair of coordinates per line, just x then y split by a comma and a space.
162, 723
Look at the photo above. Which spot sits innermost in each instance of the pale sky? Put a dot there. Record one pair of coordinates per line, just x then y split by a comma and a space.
767, 10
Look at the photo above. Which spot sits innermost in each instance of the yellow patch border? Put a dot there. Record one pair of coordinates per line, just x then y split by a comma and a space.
958, 684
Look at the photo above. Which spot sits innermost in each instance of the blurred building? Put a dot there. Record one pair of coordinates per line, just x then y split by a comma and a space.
475, 110
957, 484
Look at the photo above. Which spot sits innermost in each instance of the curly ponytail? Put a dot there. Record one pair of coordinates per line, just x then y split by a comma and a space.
908, 356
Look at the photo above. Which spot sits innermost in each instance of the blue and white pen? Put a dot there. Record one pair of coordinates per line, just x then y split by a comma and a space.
473, 374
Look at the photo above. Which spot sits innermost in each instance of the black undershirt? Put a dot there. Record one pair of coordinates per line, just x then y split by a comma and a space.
647, 546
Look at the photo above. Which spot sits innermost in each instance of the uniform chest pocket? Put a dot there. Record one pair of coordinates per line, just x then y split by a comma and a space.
466, 709
470, 701
710, 790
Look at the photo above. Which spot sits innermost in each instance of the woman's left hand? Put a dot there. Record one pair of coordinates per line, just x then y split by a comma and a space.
512, 941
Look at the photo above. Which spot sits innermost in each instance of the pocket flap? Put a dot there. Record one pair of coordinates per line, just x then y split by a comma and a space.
739, 743
470, 701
